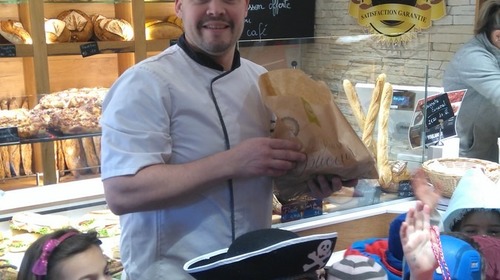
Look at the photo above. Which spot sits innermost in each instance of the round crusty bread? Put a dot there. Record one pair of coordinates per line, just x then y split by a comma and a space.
78, 23
112, 29
14, 32
158, 29
56, 31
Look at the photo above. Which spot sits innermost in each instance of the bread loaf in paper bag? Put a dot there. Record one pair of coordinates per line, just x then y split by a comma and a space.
306, 113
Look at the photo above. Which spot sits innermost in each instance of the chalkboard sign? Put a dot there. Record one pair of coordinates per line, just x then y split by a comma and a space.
279, 19
7, 51
89, 49
9, 135
438, 110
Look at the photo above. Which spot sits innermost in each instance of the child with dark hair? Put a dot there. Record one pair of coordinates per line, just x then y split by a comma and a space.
431, 255
474, 207
65, 254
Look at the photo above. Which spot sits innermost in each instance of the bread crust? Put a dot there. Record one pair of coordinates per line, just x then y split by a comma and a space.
384, 167
112, 29
159, 29
56, 31
353, 98
373, 112
78, 23
14, 32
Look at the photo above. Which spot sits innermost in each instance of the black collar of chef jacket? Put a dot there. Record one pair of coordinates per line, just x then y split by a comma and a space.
204, 59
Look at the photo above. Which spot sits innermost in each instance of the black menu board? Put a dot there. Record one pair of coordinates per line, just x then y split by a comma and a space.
279, 19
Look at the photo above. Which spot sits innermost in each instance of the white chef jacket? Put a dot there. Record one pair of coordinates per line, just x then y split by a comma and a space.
162, 111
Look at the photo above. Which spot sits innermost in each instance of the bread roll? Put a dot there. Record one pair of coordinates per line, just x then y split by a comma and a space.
56, 31
352, 97
14, 32
78, 23
112, 29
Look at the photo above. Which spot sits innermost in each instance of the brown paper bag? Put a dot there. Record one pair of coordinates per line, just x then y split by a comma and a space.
307, 114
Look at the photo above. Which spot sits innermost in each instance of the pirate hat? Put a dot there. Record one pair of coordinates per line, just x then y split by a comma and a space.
265, 254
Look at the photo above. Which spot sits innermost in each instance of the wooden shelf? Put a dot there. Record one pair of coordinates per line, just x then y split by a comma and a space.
43, 68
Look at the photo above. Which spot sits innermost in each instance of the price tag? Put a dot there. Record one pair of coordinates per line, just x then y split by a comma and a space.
89, 49
405, 186
438, 110
7, 51
9, 135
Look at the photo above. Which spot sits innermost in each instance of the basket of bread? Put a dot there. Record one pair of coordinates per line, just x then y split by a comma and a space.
445, 173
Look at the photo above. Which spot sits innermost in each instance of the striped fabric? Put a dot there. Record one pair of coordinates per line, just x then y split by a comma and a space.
356, 267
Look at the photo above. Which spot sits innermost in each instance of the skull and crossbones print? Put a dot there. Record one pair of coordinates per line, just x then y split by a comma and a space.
320, 256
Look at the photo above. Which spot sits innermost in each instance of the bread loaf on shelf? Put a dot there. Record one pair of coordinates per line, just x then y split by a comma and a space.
112, 29
14, 32
171, 28
56, 31
78, 23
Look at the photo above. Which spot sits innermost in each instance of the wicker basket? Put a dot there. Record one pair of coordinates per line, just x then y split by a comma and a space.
444, 173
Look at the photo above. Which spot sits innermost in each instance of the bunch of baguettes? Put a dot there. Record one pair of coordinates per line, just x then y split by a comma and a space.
390, 172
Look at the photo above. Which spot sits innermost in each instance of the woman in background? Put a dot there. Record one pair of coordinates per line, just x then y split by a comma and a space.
476, 67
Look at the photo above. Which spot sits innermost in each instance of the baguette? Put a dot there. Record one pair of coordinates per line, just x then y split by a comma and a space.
97, 147
15, 150
73, 156
60, 162
26, 158
2, 170
90, 155
383, 165
373, 111
353, 99
6, 161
